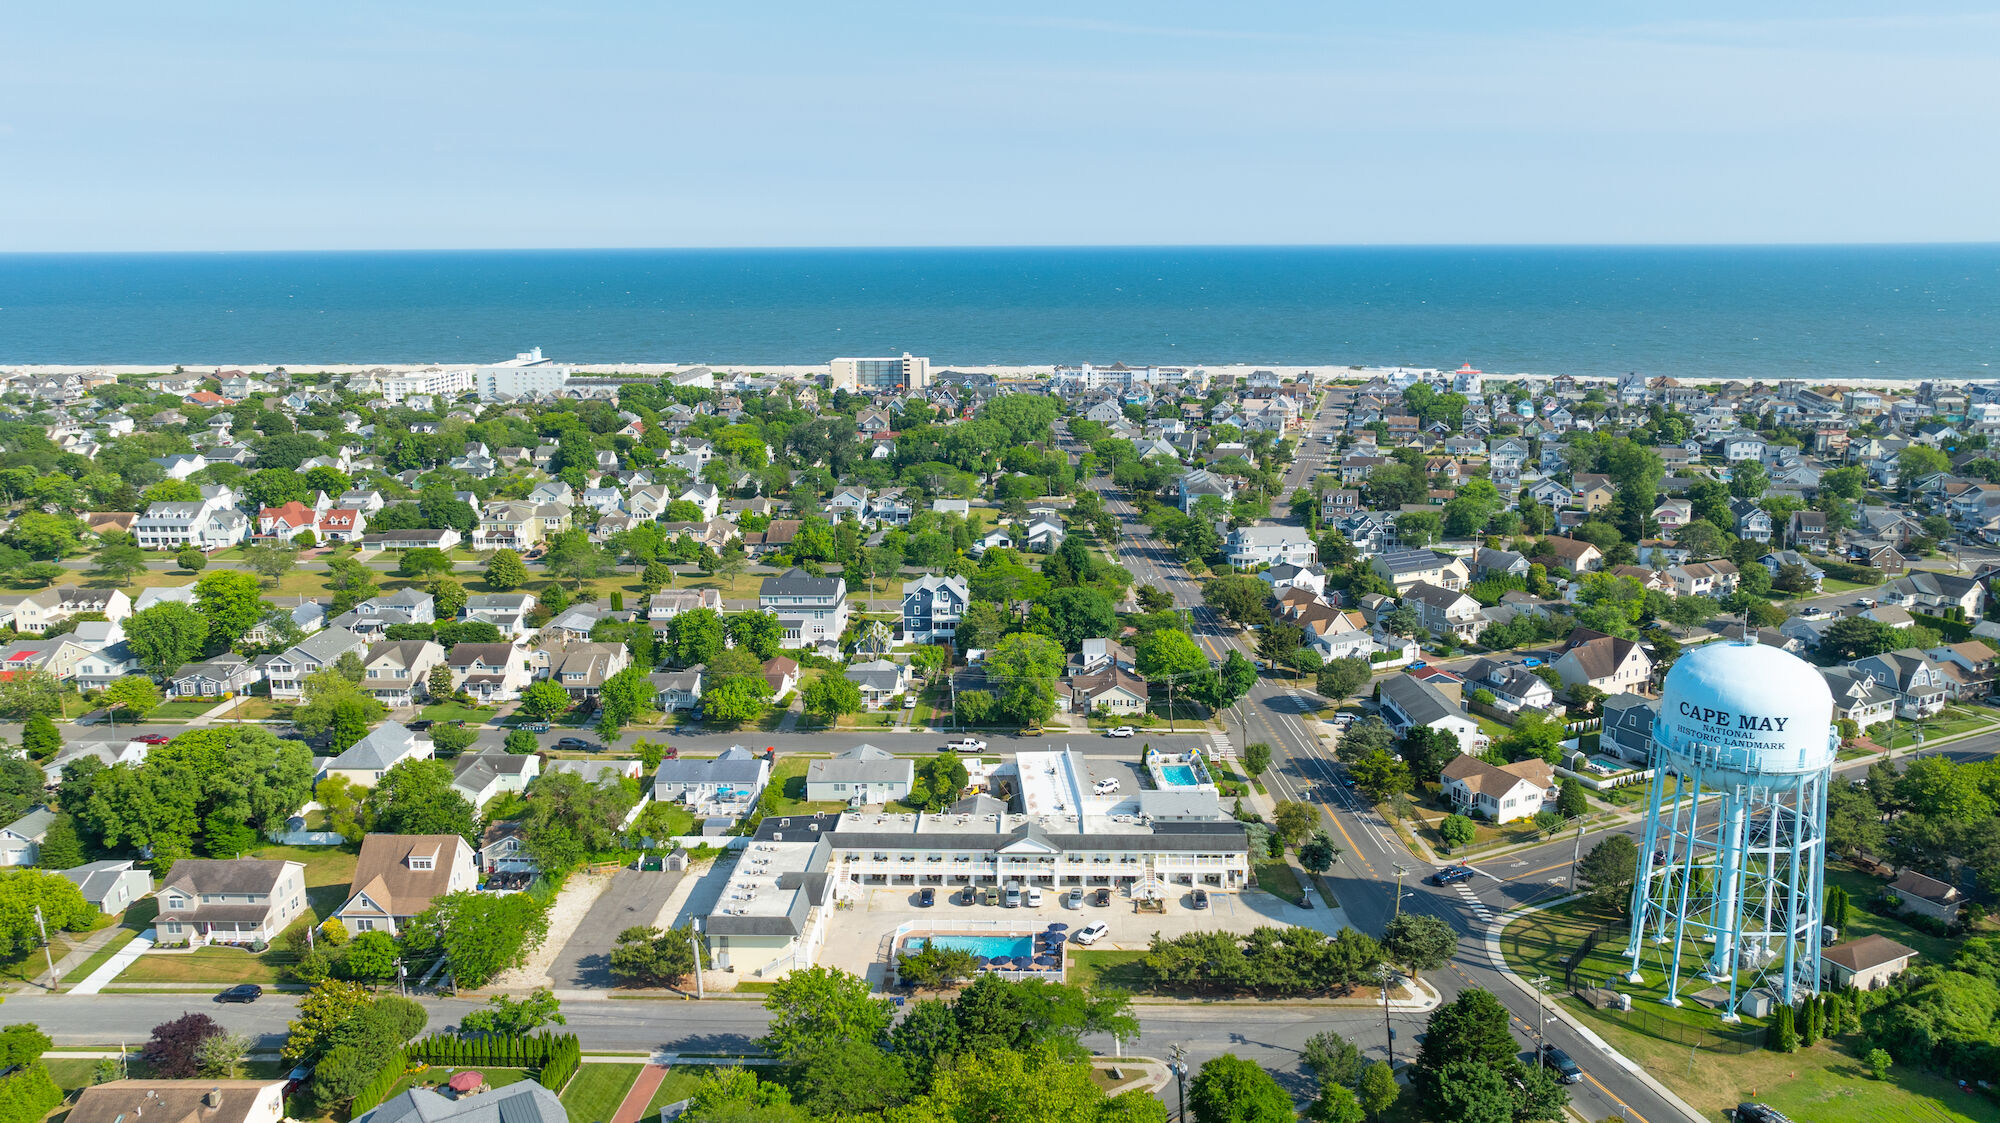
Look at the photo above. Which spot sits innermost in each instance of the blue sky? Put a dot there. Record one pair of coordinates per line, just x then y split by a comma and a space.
199, 126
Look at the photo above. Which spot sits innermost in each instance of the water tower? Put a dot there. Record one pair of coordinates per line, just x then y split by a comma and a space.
1732, 863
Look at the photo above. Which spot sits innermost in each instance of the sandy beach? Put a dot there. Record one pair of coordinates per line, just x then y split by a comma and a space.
1039, 370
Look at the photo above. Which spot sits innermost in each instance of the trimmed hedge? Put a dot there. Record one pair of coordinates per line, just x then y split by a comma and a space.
554, 1055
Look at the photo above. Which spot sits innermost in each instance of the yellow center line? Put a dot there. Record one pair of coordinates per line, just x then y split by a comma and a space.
1629, 1109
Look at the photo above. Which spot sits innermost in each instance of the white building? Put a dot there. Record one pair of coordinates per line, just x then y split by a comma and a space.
1250, 546
906, 373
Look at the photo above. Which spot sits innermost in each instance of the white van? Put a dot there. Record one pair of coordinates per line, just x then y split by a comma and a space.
1106, 786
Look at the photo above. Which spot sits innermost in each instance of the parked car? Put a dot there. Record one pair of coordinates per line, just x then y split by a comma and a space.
1073, 899
969, 897
241, 992
1101, 898
1759, 1113
1449, 874
1531, 662
1121, 731
1091, 933
926, 898
992, 894
1032, 897
1013, 900
1106, 786
965, 745
152, 738
909, 701
578, 744
419, 726
537, 727
1418, 665
1200, 898
1566, 1069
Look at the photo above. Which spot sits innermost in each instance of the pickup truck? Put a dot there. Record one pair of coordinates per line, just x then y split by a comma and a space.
965, 745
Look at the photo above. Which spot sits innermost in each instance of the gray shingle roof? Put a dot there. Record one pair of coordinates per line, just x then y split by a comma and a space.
862, 764
522, 1102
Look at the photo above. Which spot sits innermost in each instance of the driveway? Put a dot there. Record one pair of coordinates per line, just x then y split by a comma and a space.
633, 898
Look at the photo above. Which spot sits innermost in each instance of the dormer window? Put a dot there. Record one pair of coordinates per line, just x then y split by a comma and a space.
423, 861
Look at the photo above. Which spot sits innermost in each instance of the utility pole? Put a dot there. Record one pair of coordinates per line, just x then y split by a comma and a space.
694, 945
1179, 1066
1387, 975
47, 955
1575, 855
1541, 1013
1400, 871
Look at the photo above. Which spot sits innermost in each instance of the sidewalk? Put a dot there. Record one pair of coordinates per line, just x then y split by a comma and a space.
111, 968
640, 1096
73, 959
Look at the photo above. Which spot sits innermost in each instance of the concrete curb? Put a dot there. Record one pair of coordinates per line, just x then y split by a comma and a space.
1500, 964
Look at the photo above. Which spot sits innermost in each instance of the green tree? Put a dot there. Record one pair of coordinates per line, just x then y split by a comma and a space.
520, 742
271, 560
649, 957
416, 797
1319, 853
351, 582
40, 739
1418, 942
760, 632
831, 695
821, 1004
1239, 598
1229, 1089
623, 698
135, 694
482, 934
1378, 1091
1380, 776
1336, 1104
1571, 802
1470, 1030
1293, 821
1456, 831
697, 636
511, 1017
118, 563
167, 636
1340, 678
370, 958
1608, 870
1256, 758
505, 571
61, 848
544, 700
736, 700
231, 602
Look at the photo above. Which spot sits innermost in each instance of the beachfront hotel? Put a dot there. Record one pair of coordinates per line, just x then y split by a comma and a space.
906, 373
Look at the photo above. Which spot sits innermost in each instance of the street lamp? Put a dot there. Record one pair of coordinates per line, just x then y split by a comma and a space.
1400, 871
1179, 1067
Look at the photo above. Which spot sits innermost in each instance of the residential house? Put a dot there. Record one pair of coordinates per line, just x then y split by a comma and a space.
1858, 698
505, 611
1498, 793
509, 525
1806, 530
1918, 683
287, 670
397, 672
1704, 579
1110, 688
1513, 686
1866, 963
490, 672
812, 611
1444, 611
1777, 560
932, 608
482, 775
397, 876
1408, 702
782, 674
1574, 556
1593, 491
1937, 594
21, 840
582, 668
111, 884
391, 743
1488, 562
1286, 575
678, 690
521, 1102
733, 779
861, 775
1612, 664
1627, 732
1403, 569
225, 674
206, 524
1202, 482
372, 618
669, 603
1752, 521
229, 901
1926, 896
1968, 668
1248, 547
879, 680
181, 1101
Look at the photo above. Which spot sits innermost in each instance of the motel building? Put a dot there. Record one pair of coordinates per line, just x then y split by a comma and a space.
1053, 831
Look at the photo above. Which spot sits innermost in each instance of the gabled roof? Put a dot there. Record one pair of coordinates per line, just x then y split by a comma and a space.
389, 743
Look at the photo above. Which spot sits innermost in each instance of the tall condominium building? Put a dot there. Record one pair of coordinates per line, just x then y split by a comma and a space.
906, 373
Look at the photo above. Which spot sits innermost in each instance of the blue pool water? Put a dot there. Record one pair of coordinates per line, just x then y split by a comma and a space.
1178, 775
992, 947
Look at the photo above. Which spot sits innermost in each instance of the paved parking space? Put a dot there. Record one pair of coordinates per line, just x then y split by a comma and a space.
633, 899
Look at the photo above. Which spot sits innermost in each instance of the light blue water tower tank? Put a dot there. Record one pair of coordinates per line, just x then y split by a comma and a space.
1732, 864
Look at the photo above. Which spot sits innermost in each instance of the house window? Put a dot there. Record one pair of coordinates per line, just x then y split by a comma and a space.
422, 862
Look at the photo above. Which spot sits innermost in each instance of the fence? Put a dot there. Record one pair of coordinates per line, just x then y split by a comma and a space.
1734, 1042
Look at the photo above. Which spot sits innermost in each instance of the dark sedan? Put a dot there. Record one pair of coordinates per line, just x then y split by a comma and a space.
242, 992
926, 898
578, 744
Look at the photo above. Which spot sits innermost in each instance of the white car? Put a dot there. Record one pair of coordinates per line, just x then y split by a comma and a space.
965, 745
1091, 933
1107, 786
1034, 896
1121, 731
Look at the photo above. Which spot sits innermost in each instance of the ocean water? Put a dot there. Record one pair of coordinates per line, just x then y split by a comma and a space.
1880, 311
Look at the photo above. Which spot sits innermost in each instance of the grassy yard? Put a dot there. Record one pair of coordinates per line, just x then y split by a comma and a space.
1275, 876
594, 1093
34, 965
329, 869
1124, 970
179, 711
452, 711
789, 777
679, 1084
99, 957
495, 1077
261, 709
210, 966
879, 720
1860, 922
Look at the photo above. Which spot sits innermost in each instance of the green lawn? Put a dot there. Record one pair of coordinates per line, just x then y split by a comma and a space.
789, 777
179, 711
261, 709
679, 1084
495, 1077
1124, 970
1275, 876
594, 1093
99, 957
210, 966
1860, 922
329, 869
34, 965
452, 711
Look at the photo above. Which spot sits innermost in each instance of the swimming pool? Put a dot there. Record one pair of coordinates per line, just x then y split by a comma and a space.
1178, 775
992, 947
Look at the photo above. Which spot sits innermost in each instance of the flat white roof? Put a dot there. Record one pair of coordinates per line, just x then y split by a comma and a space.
753, 890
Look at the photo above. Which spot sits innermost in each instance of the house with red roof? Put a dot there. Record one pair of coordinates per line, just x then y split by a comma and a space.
342, 524
284, 523
207, 398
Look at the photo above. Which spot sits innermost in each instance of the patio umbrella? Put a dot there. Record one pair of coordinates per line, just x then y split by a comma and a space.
1047, 960
467, 1081
1058, 926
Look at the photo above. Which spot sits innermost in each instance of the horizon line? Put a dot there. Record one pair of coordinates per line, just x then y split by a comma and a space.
1010, 248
